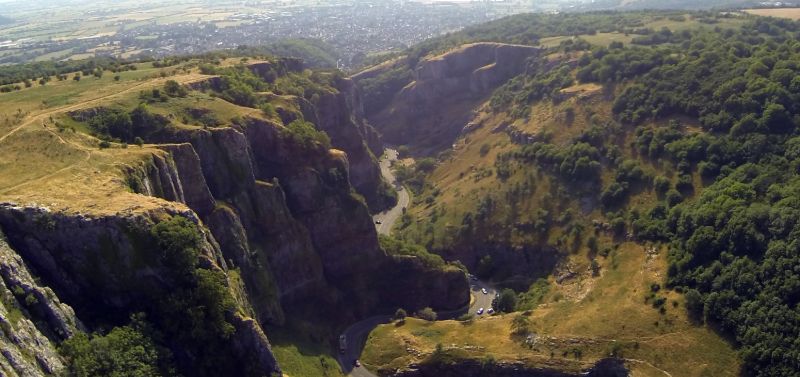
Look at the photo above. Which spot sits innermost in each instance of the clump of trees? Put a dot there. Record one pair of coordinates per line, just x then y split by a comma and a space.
307, 135
127, 126
427, 314
126, 350
191, 320
394, 246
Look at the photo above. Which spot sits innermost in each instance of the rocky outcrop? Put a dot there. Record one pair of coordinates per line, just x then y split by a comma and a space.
28, 349
286, 216
477, 368
340, 114
430, 112
108, 267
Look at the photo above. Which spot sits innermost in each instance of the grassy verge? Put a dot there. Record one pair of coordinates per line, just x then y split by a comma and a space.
300, 357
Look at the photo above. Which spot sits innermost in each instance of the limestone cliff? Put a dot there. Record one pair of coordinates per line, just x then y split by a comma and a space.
28, 348
282, 228
287, 216
430, 111
107, 267
340, 114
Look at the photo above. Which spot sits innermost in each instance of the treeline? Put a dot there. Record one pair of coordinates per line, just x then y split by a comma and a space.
11, 74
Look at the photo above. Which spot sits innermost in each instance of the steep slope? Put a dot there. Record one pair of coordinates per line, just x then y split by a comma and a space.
429, 111
627, 191
338, 111
29, 348
209, 233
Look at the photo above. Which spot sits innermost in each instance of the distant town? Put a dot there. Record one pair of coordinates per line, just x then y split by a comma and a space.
352, 28
350, 31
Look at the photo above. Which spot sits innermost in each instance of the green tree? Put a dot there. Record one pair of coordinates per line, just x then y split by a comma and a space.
427, 314
173, 89
507, 301
123, 352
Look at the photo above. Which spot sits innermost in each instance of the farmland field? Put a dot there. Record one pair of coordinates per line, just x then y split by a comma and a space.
790, 13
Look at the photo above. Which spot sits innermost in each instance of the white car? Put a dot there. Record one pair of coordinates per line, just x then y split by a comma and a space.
479, 312
484, 291
490, 311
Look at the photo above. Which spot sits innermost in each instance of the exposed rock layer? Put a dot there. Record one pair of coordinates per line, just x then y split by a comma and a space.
431, 110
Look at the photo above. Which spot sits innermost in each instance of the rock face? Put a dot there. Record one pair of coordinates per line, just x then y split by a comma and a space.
470, 368
286, 216
281, 219
431, 110
27, 349
340, 114
106, 268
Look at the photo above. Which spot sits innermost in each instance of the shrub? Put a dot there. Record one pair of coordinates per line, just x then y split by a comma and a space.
507, 301
125, 351
269, 110
661, 184
400, 314
305, 134
520, 325
173, 89
485, 148
427, 314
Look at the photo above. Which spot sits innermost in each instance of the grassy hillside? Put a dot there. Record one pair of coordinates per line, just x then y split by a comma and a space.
599, 29
665, 146
571, 334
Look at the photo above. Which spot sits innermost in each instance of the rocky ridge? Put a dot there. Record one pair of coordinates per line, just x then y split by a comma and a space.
432, 109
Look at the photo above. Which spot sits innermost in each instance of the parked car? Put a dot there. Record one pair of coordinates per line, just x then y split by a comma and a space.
490, 311
479, 312
357, 364
484, 291
378, 222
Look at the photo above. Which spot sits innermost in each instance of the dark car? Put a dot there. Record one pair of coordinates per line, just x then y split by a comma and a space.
378, 222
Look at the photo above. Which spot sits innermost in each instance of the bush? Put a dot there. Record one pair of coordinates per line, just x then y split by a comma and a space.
520, 325
269, 111
179, 242
173, 89
125, 351
507, 301
485, 148
427, 314
661, 184
394, 246
400, 314
305, 134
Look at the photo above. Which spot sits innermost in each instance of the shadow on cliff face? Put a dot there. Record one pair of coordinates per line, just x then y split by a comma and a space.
428, 108
448, 367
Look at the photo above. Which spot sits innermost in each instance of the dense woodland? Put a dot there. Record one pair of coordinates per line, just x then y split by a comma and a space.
727, 193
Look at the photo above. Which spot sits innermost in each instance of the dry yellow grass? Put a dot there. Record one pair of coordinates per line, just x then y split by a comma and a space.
590, 313
613, 315
790, 13
63, 169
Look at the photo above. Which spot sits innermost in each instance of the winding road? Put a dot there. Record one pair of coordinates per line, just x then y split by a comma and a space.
385, 220
356, 335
